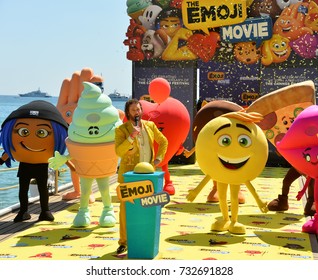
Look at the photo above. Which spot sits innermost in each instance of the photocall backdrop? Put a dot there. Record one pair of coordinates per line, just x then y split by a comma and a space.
240, 50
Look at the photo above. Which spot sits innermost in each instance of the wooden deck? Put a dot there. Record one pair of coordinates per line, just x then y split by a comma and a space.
9, 228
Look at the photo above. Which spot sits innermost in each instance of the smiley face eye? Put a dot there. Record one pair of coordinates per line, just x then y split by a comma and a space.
23, 132
42, 133
225, 140
307, 157
244, 141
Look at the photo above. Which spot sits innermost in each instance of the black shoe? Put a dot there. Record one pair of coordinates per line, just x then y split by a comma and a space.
310, 209
121, 249
22, 217
46, 216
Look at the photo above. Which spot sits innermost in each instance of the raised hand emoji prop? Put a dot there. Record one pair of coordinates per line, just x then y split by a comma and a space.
70, 92
280, 109
210, 111
30, 135
90, 143
300, 148
232, 150
173, 120
291, 22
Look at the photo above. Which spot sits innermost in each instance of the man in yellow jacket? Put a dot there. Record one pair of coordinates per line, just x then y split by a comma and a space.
134, 143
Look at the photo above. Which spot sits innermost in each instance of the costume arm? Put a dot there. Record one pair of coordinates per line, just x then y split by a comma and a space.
58, 160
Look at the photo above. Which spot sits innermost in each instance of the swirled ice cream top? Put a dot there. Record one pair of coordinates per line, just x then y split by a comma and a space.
95, 118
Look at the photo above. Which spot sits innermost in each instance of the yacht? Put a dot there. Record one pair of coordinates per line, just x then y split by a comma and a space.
116, 96
35, 93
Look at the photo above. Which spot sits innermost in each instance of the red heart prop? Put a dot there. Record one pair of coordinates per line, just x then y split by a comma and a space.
173, 120
204, 46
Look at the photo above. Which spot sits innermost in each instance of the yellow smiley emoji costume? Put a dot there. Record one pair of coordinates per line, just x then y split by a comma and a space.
232, 150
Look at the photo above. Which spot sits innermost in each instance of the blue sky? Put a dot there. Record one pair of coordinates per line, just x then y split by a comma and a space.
43, 42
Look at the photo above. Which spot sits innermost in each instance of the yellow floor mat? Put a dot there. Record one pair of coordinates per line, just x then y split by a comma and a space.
185, 228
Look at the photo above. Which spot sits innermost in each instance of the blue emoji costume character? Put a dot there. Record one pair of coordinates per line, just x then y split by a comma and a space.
30, 135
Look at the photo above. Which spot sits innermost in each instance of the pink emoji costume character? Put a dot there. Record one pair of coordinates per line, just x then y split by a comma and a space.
300, 148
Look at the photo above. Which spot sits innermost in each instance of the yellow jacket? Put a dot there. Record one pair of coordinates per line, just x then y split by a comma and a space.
129, 152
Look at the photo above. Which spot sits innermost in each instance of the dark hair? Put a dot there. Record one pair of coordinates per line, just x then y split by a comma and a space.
127, 106
166, 13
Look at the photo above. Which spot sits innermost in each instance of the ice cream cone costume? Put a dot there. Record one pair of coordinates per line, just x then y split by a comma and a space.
91, 147
93, 160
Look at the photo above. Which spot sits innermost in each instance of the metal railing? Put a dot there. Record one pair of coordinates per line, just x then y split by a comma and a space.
16, 186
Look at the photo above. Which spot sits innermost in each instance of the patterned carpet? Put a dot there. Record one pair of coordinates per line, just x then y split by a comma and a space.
185, 228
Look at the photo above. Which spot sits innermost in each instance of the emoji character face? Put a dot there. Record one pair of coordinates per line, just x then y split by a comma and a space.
231, 150
276, 124
134, 34
211, 110
170, 25
169, 20
148, 18
33, 140
300, 144
247, 52
281, 107
275, 50
290, 23
95, 118
154, 43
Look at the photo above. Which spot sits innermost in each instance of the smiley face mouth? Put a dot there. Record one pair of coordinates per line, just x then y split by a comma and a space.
233, 164
30, 149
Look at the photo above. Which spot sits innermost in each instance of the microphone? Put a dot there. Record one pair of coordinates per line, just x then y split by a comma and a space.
137, 121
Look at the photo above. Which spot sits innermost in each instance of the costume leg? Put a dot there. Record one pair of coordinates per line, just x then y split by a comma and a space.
77, 189
76, 185
24, 200
83, 219
44, 192
168, 186
224, 223
281, 203
310, 208
214, 197
45, 214
235, 226
107, 218
311, 226
23, 193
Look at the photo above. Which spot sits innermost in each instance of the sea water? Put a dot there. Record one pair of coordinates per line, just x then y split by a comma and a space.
8, 179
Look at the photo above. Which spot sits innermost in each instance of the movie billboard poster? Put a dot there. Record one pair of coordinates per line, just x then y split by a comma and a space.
242, 49
182, 78
294, 70
232, 81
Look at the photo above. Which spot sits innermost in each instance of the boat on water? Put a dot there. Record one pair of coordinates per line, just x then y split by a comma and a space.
35, 93
116, 96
